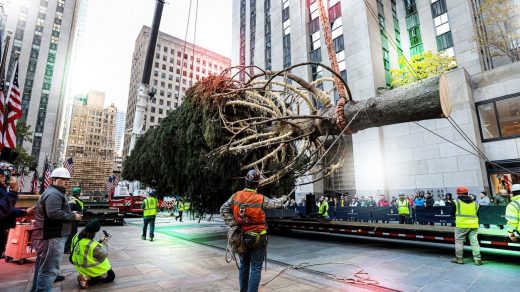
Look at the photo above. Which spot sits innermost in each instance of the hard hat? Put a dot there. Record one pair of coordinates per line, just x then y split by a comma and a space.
253, 176
462, 190
76, 190
61, 172
515, 187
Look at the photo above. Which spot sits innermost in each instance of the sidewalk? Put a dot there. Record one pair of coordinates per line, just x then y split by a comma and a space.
169, 263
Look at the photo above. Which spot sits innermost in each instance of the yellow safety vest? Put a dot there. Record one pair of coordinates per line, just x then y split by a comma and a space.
83, 258
513, 214
403, 207
342, 203
466, 214
324, 209
78, 202
187, 206
150, 207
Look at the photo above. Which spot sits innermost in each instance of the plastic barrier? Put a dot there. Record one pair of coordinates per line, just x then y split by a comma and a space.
493, 215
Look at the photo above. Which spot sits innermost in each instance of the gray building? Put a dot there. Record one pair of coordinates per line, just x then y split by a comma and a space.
176, 66
120, 129
368, 40
42, 33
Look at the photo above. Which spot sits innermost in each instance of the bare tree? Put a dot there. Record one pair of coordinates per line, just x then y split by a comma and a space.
500, 28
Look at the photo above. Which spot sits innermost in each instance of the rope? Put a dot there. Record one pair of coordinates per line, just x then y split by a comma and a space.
233, 234
360, 277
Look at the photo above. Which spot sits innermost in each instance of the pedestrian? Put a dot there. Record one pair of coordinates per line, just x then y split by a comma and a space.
90, 257
513, 214
439, 202
342, 202
393, 201
8, 213
419, 200
371, 202
465, 211
52, 226
428, 203
244, 211
382, 202
75, 205
362, 202
354, 202
403, 209
484, 199
149, 206
180, 209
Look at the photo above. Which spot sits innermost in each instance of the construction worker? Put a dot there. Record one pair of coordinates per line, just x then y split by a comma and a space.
324, 208
180, 209
513, 213
75, 205
89, 257
149, 206
403, 209
244, 211
466, 225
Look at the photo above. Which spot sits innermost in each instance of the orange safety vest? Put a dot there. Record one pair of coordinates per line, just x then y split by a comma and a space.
253, 217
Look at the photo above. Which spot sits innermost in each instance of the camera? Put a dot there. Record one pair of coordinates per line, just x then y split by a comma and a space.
7, 158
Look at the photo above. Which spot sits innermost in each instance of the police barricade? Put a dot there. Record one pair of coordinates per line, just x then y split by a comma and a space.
493, 215
433, 214
385, 214
354, 213
280, 213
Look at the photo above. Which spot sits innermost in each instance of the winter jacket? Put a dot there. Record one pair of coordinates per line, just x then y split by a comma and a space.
7, 202
53, 215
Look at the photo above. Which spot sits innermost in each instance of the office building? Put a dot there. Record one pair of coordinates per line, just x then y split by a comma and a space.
369, 37
177, 65
91, 141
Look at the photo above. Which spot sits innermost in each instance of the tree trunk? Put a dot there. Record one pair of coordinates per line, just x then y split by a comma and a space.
424, 100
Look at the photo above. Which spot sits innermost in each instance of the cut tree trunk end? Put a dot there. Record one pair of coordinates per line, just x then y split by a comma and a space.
423, 100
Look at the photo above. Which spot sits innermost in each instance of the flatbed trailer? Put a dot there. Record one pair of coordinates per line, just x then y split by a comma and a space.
489, 238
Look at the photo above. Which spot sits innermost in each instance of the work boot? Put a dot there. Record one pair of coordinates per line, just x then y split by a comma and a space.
459, 261
151, 238
83, 283
478, 263
143, 237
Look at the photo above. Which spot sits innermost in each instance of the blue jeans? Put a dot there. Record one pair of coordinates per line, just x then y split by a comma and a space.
47, 267
250, 270
151, 221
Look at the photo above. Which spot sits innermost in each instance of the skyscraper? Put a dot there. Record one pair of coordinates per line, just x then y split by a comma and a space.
120, 129
176, 66
43, 36
369, 37
91, 141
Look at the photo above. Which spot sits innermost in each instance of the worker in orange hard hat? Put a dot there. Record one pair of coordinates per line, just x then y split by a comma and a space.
465, 211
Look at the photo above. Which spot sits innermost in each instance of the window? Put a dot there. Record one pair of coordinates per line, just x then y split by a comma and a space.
488, 121
500, 118
314, 26
335, 12
339, 44
439, 7
444, 41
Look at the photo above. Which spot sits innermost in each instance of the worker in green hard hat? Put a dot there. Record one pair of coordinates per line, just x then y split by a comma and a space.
75, 205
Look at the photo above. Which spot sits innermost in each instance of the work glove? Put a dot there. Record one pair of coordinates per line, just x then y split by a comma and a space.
513, 237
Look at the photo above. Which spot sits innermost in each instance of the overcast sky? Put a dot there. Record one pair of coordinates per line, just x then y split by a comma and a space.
113, 25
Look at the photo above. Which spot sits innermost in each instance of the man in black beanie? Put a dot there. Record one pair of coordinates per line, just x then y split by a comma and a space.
89, 257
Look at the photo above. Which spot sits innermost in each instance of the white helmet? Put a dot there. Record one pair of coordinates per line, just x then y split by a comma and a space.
515, 188
61, 172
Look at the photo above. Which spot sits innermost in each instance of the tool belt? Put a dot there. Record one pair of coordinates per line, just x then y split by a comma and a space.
249, 241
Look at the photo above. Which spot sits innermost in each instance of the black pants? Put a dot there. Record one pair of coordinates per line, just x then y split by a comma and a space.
403, 219
179, 216
99, 280
3, 240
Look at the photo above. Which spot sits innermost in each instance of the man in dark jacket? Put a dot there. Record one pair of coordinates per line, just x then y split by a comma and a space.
52, 226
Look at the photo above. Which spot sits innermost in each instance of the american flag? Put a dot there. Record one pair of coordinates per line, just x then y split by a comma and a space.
47, 176
2, 101
34, 182
69, 164
110, 184
14, 105
22, 178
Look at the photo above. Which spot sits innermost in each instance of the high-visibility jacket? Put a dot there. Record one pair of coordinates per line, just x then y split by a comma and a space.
250, 204
83, 258
342, 203
403, 207
324, 209
466, 214
186, 206
513, 214
150, 207
77, 202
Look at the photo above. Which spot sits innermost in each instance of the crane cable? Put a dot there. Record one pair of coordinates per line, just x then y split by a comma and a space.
184, 50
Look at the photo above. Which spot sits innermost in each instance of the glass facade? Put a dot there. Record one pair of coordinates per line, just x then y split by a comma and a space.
252, 33
384, 42
414, 28
267, 34
242, 56
286, 33
500, 118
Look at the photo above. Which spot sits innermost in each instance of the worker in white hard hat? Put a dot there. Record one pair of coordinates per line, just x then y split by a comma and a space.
53, 225
513, 214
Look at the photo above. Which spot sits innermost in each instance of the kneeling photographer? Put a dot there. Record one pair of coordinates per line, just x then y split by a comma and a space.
89, 256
